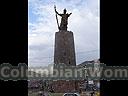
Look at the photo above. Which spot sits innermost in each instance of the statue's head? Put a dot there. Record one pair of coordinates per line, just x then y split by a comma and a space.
65, 11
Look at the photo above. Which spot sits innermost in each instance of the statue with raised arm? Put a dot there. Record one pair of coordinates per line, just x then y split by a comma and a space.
64, 19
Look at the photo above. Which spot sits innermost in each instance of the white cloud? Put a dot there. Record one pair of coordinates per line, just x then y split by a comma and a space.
84, 22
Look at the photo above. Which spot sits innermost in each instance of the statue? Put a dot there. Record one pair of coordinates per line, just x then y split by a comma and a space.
64, 19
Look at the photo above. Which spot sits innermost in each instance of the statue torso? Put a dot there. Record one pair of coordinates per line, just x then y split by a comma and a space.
64, 18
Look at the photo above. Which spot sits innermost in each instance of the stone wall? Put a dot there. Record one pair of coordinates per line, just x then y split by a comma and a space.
63, 86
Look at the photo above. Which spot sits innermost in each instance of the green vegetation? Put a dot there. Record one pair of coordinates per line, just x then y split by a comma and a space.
56, 94
33, 93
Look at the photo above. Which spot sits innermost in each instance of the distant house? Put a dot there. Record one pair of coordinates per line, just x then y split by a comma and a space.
83, 84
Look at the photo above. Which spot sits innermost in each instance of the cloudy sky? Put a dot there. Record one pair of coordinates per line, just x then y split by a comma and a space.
84, 23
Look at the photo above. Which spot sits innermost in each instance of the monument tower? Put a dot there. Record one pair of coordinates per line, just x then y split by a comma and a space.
64, 51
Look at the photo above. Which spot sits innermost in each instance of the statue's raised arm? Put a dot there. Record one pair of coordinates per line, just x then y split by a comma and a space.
56, 11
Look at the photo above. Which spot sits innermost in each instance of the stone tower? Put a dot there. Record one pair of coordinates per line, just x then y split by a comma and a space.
64, 51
